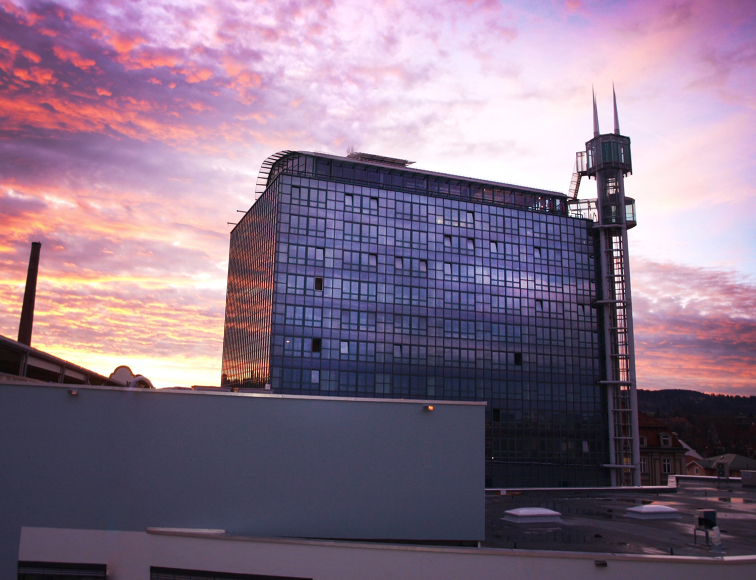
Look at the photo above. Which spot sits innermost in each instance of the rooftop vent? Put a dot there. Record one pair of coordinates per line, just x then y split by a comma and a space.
532, 515
653, 512
357, 156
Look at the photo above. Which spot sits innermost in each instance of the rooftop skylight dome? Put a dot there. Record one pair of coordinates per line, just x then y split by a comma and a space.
532, 515
653, 512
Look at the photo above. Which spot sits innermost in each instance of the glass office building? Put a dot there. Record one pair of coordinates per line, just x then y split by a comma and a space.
360, 277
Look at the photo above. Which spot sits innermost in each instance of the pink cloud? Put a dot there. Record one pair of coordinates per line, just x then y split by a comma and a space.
73, 57
695, 328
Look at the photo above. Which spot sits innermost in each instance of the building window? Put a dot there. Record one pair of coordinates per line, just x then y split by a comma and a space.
315, 376
304, 225
461, 300
666, 465
408, 210
505, 304
361, 204
356, 320
644, 465
35, 570
305, 255
353, 350
459, 218
643, 441
159, 573
504, 332
297, 346
354, 290
306, 196
319, 284
356, 232
496, 415
459, 328
537, 253
665, 439
358, 260
518, 358
464, 357
459, 272
410, 295
405, 324
470, 244
494, 247
304, 315
410, 239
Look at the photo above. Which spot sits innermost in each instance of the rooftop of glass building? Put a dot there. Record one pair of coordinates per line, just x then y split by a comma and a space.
383, 172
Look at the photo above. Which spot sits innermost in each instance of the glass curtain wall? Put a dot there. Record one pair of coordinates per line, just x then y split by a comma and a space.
386, 292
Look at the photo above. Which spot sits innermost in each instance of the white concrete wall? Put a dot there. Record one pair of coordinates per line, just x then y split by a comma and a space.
263, 465
129, 556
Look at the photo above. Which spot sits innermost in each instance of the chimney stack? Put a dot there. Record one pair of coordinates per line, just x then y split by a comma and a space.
30, 293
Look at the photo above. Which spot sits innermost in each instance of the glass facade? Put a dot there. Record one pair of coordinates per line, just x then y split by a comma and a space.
249, 296
358, 279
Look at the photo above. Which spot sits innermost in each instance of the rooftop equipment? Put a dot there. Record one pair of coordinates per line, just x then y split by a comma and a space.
532, 515
706, 520
653, 512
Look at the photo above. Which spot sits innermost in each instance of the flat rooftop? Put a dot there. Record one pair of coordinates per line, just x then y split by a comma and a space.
593, 520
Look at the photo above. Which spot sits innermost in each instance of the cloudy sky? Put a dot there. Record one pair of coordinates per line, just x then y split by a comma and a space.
131, 132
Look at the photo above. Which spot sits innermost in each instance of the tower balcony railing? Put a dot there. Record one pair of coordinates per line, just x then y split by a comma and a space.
611, 216
583, 208
581, 162
630, 212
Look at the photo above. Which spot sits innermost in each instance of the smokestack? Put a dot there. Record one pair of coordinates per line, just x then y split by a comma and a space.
27, 311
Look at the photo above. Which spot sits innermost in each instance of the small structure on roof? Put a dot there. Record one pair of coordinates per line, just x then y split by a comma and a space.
653, 512
532, 515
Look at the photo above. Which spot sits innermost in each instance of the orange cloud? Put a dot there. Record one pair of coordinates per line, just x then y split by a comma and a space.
8, 50
124, 44
197, 75
147, 59
87, 22
73, 57
41, 76
9, 46
200, 107
31, 56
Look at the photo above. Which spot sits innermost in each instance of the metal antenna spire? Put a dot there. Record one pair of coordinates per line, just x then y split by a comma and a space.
596, 131
616, 116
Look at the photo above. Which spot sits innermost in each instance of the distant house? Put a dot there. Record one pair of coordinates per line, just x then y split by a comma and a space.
692, 457
661, 453
733, 465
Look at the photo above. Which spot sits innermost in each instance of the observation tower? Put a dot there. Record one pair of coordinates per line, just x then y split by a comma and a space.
607, 159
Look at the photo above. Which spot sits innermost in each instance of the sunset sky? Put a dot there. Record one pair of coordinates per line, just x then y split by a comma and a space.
131, 133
